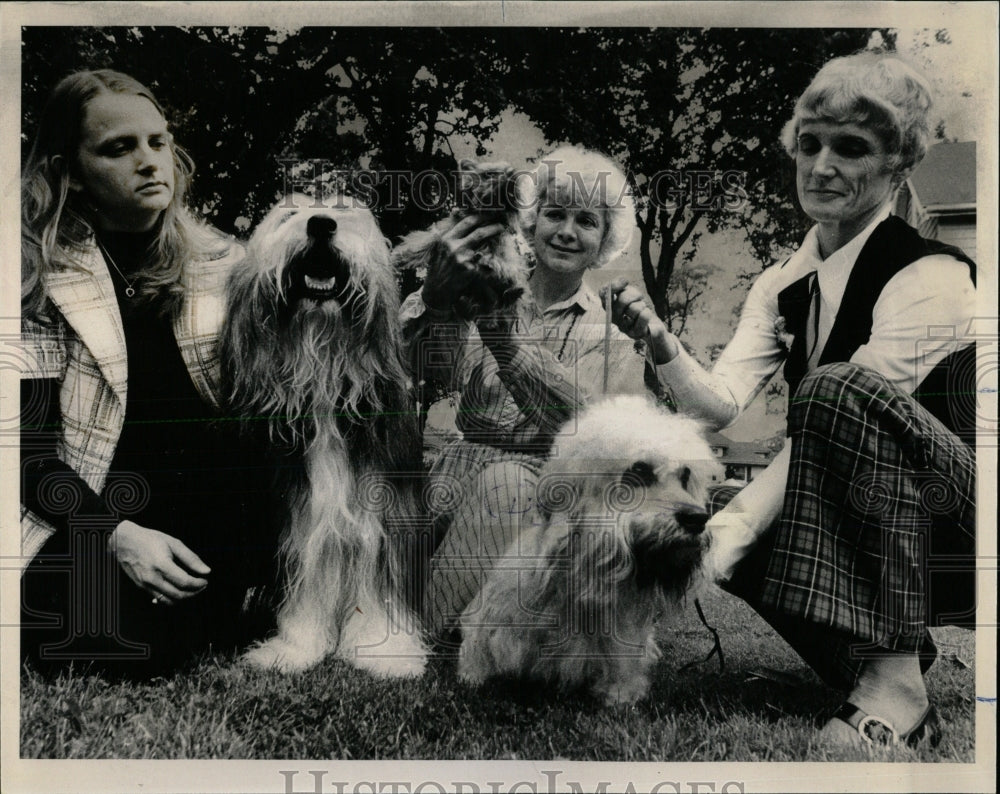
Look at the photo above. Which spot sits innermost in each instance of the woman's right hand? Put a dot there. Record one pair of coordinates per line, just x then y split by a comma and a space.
158, 563
635, 318
454, 281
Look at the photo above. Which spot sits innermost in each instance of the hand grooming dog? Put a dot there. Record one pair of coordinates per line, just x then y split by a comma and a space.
497, 276
311, 349
617, 543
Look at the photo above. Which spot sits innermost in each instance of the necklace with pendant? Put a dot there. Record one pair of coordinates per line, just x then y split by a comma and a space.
129, 289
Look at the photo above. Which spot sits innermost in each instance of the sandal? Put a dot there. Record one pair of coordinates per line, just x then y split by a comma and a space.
878, 732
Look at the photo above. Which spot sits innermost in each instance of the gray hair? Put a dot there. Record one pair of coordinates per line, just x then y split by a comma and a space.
578, 173
875, 89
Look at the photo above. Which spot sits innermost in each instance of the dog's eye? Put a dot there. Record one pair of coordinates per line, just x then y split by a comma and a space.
684, 475
641, 471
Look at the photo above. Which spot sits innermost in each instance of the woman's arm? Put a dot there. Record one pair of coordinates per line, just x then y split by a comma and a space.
44, 477
435, 318
743, 368
154, 561
433, 341
922, 315
544, 389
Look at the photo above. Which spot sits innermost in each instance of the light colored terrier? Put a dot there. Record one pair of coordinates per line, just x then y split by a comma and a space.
616, 545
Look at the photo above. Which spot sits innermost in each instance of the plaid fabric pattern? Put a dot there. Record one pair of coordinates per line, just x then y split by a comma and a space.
876, 488
84, 346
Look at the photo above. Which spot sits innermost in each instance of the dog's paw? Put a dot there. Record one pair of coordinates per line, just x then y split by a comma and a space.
278, 654
468, 671
371, 646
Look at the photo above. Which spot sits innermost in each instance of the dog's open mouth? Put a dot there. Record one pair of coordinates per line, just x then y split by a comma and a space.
320, 288
321, 275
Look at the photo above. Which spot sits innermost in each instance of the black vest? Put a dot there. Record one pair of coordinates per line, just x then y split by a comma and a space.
948, 391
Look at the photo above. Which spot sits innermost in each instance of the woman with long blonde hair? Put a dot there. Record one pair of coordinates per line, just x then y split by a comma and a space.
136, 504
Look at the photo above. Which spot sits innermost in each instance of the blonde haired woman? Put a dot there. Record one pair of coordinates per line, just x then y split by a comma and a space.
136, 506
517, 385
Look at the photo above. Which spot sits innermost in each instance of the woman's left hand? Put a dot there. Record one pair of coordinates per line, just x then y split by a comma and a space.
636, 319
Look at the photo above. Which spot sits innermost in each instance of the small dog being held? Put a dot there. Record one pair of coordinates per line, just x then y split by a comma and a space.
617, 543
496, 277
311, 350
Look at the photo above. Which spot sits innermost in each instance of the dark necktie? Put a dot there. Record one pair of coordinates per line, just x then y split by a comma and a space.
794, 303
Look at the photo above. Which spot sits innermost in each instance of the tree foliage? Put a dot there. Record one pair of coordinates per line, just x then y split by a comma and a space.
685, 104
690, 106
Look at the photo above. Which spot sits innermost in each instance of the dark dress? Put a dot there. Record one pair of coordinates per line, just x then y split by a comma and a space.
179, 468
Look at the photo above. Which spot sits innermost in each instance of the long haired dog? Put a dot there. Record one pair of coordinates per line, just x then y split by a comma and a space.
311, 349
498, 275
616, 544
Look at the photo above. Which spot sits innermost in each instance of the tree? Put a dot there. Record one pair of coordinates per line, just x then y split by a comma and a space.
246, 102
694, 115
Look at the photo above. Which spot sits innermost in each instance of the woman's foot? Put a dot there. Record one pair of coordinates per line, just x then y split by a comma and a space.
890, 688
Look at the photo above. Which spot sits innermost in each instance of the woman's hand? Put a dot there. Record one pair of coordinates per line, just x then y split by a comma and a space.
454, 280
635, 318
158, 563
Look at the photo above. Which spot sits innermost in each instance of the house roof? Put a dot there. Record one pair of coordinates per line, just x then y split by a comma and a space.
946, 179
741, 452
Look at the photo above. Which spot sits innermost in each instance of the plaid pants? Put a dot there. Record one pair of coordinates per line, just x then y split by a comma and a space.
876, 539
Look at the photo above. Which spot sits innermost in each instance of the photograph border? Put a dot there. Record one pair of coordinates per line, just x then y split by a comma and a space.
977, 20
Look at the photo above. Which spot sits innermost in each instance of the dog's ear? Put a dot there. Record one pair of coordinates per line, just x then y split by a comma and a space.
248, 339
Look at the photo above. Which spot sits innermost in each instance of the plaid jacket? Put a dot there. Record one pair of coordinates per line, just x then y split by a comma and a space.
84, 347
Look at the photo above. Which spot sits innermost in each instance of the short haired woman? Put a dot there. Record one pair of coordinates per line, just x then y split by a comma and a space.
580, 216
835, 543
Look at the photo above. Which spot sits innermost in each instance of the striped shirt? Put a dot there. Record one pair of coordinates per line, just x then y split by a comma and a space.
553, 360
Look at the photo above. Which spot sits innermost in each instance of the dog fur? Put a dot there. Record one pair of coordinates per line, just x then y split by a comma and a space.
311, 351
616, 544
500, 268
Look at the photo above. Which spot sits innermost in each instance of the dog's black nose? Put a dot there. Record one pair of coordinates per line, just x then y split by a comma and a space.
321, 226
692, 520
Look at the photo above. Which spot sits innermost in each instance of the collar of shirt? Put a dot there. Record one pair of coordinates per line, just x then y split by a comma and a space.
581, 302
834, 271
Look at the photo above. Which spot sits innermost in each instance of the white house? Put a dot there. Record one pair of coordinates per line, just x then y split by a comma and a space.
746, 458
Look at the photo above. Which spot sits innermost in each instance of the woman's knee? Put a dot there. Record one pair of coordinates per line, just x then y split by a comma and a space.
839, 376
506, 489
838, 388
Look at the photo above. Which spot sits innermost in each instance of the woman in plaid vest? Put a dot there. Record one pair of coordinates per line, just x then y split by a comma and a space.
136, 503
861, 533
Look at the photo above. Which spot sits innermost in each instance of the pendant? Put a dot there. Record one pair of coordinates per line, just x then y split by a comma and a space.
129, 292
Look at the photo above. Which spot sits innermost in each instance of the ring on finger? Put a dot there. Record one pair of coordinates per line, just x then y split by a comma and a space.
156, 600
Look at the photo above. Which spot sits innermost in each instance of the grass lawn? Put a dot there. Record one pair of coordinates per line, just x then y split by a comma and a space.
336, 712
